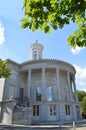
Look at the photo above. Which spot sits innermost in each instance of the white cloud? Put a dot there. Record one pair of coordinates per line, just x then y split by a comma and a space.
2, 37
83, 89
76, 50
81, 77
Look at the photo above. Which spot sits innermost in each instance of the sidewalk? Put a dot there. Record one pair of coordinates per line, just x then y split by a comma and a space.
80, 125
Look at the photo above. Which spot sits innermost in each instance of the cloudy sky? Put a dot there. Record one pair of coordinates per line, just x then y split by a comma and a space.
15, 43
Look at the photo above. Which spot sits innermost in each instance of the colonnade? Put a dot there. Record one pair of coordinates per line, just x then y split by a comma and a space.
57, 87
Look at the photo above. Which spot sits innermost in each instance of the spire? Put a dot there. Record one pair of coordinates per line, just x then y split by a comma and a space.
36, 41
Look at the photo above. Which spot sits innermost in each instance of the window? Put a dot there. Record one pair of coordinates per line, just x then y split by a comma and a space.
38, 94
73, 91
35, 55
73, 88
49, 93
52, 110
67, 109
35, 110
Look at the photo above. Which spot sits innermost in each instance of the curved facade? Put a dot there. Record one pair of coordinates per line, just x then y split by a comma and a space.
42, 91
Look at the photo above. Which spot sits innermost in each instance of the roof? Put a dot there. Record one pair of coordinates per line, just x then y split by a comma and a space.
36, 44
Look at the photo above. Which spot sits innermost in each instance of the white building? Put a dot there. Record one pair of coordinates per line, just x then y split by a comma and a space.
39, 91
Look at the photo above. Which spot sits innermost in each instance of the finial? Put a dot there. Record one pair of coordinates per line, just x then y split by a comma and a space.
36, 40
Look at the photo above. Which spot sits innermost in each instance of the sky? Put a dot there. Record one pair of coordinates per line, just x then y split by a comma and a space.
15, 42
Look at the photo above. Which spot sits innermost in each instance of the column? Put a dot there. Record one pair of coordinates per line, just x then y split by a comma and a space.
44, 107
43, 85
69, 87
58, 84
75, 91
58, 116
29, 83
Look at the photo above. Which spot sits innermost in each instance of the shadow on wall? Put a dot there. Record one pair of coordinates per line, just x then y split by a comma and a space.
83, 115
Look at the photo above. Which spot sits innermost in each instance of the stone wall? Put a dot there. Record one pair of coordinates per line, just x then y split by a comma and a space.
22, 116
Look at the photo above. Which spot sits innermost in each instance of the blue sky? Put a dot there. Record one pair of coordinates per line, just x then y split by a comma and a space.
15, 43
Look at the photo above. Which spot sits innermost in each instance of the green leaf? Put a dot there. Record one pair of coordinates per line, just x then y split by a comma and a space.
47, 29
4, 71
24, 19
54, 14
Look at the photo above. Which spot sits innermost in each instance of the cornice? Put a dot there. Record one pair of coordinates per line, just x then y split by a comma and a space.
51, 61
12, 62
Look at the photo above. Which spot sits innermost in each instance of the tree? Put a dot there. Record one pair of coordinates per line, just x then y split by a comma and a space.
4, 71
82, 99
81, 95
83, 104
53, 14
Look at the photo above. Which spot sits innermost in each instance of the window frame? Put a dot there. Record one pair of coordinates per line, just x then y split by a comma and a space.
67, 109
52, 110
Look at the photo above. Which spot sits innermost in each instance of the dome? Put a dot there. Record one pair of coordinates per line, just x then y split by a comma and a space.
36, 44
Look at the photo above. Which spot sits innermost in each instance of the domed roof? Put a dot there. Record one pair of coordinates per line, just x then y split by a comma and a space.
36, 44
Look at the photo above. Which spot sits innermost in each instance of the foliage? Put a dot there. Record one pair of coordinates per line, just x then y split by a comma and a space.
4, 71
54, 14
81, 95
83, 104
82, 99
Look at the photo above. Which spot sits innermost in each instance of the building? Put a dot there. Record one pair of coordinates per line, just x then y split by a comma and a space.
39, 91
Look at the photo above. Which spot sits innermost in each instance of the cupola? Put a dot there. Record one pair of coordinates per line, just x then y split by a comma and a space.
36, 51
